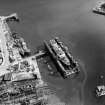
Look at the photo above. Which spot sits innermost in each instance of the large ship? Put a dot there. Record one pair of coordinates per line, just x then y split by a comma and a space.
59, 52
64, 60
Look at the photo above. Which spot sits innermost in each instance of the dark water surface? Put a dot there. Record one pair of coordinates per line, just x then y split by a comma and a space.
79, 28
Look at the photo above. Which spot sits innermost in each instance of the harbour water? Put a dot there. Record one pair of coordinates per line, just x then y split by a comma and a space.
82, 30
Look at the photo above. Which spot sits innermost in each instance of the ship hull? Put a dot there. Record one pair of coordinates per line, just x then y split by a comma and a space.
59, 66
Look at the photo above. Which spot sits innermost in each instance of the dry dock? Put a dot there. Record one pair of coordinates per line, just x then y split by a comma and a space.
21, 81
